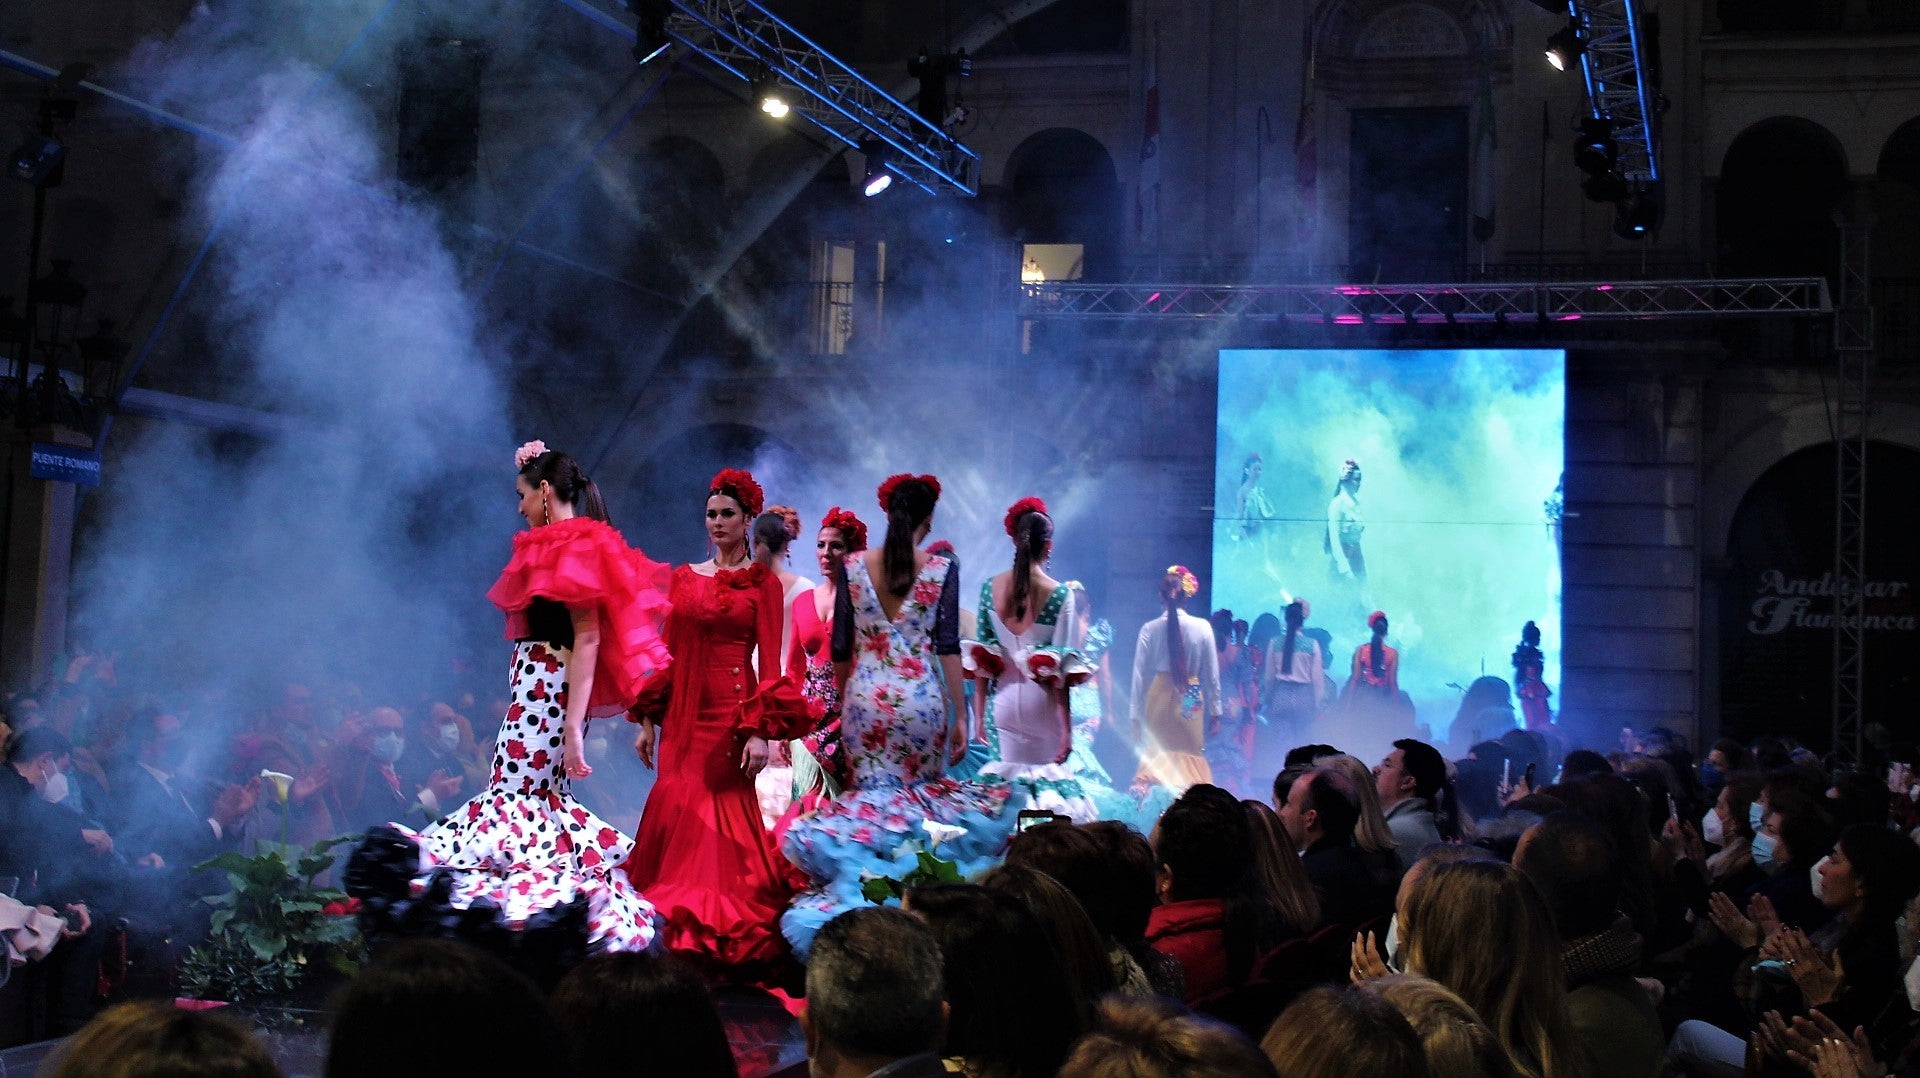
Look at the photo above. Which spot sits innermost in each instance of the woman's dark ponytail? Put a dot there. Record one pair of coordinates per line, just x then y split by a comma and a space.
570, 484
1176, 648
1031, 534
1296, 617
909, 507
1377, 658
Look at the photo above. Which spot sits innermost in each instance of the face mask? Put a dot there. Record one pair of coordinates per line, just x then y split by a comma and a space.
1755, 813
1709, 776
450, 737
55, 789
1819, 884
1393, 944
1763, 845
388, 747
1711, 829
1913, 985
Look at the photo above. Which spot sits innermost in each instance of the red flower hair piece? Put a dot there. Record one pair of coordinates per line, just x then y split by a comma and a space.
740, 486
1021, 508
893, 483
851, 528
1374, 619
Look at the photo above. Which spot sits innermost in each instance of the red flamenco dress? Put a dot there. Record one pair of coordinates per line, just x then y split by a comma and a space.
523, 858
702, 855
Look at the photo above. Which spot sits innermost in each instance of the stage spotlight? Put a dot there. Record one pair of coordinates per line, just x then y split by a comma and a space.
650, 28
1637, 216
768, 96
877, 179
1595, 151
1566, 45
38, 160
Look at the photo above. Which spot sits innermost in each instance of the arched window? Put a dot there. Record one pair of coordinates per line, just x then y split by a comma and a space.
1779, 185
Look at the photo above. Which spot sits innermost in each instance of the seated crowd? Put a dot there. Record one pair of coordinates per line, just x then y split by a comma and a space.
1635, 915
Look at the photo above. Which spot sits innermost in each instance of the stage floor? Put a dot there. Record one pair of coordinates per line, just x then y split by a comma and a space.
766, 1039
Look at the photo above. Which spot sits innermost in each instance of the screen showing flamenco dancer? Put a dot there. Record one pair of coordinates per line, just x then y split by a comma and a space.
1419, 485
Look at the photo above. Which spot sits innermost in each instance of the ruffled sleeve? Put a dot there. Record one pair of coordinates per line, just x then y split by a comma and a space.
779, 711
582, 562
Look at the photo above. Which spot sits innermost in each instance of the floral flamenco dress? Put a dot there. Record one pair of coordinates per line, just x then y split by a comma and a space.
1030, 671
894, 726
702, 854
523, 856
1083, 701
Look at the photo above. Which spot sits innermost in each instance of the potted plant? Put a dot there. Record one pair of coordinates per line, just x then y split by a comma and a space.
274, 934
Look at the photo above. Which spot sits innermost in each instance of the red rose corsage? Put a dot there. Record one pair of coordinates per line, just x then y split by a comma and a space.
1021, 508
851, 528
740, 486
893, 483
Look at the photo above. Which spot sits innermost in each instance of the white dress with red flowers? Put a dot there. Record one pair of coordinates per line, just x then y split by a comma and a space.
524, 845
894, 727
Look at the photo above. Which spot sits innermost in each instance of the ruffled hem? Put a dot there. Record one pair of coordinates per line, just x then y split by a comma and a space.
717, 925
583, 562
1047, 787
406, 891
878, 831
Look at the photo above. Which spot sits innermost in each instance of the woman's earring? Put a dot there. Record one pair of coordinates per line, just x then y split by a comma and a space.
546, 511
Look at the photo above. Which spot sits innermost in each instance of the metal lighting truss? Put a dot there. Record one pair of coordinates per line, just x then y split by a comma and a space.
1414, 304
743, 38
1618, 85
1853, 355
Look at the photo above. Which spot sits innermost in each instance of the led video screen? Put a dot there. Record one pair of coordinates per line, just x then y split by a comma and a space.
1421, 484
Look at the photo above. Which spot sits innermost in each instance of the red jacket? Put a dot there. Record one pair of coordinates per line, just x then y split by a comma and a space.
1193, 932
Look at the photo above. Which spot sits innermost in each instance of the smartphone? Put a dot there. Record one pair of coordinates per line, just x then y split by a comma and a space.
1673, 808
1034, 818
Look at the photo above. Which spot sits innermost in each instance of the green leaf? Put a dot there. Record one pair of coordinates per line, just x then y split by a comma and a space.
227, 862
268, 946
879, 890
218, 922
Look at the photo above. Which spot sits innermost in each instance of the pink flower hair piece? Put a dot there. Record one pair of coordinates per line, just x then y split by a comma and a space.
527, 452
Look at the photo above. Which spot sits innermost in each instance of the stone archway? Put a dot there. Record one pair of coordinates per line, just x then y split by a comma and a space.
1791, 173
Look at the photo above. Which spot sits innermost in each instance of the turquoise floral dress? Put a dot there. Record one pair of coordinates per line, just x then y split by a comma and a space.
894, 726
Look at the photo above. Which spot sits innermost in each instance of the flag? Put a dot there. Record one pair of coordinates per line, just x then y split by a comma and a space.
1306, 143
1146, 190
1486, 145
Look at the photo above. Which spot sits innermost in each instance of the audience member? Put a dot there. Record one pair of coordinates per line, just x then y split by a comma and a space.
1572, 862
435, 1007
1073, 857
626, 1011
989, 942
376, 781
1076, 942
1207, 917
1157, 1038
154, 1039
876, 998
1456, 1043
1411, 782
1128, 894
1481, 929
1341, 1032
1286, 895
1370, 832
1320, 814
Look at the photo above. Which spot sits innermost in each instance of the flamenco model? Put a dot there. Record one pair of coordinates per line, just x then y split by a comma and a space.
702, 854
896, 657
582, 609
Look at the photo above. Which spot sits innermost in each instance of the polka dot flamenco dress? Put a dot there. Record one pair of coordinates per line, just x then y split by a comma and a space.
523, 850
